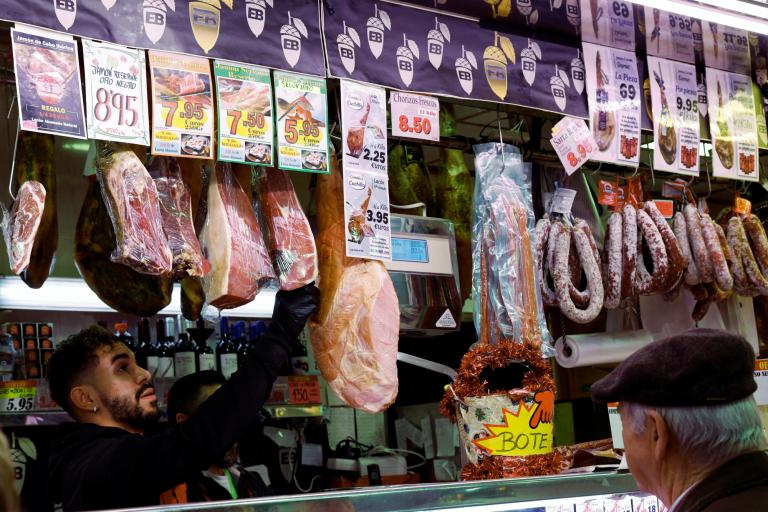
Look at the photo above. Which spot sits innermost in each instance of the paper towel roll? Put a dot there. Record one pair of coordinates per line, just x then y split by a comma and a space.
599, 348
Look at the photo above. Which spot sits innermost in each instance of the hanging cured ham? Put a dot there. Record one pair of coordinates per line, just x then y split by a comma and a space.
355, 332
21, 224
233, 244
292, 243
133, 205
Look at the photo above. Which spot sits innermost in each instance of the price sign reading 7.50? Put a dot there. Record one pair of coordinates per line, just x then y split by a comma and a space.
251, 120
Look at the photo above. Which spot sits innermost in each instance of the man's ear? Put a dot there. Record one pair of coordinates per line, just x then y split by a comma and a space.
83, 399
181, 417
659, 432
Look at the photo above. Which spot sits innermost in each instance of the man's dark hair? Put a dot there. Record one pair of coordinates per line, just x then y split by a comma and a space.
74, 355
185, 394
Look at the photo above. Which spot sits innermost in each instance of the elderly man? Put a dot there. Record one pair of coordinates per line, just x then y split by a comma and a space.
692, 431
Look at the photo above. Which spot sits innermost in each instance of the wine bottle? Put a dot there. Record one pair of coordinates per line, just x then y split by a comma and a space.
165, 368
206, 359
226, 351
185, 357
122, 334
146, 353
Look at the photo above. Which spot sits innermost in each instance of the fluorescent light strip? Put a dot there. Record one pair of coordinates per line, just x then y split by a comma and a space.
743, 7
705, 13
64, 294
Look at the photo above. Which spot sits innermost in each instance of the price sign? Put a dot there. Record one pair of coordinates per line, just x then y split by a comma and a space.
116, 93
364, 127
244, 99
674, 102
614, 95
669, 35
304, 390
608, 22
366, 209
182, 105
17, 396
48, 82
302, 123
415, 116
573, 143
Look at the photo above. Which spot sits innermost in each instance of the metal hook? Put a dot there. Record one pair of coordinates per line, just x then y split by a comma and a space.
709, 186
10, 109
501, 138
599, 166
650, 165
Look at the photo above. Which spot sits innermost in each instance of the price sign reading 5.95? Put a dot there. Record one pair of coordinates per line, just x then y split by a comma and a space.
415, 116
17, 396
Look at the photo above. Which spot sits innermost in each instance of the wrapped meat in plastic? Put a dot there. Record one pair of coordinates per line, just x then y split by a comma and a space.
118, 286
134, 207
176, 215
21, 224
505, 269
34, 162
233, 243
355, 332
292, 243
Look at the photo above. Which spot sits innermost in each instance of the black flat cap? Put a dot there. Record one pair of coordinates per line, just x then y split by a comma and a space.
698, 367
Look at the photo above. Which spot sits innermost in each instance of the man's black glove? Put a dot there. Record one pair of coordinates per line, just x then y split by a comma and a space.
292, 310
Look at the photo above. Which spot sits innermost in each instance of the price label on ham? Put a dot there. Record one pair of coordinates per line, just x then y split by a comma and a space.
415, 116
366, 209
573, 143
364, 125
116, 93
48, 82
244, 99
17, 396
302, 123
182, 105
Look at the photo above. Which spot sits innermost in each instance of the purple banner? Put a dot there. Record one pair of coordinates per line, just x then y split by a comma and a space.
561, 16
282, 34
412, 49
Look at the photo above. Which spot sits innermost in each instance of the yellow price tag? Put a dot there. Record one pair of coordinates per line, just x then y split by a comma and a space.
185, 115
516, 436
17, 396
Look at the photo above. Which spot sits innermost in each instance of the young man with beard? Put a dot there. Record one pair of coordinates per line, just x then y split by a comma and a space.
105, 461
224, 479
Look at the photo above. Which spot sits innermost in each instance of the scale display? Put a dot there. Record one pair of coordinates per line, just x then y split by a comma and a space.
410, 249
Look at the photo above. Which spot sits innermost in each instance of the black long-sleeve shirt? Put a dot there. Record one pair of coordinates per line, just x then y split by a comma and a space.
94, 467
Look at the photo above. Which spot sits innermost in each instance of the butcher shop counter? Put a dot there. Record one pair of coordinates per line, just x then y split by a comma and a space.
596, 491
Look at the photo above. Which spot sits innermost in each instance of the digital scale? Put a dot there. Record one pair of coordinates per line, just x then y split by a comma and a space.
425, 272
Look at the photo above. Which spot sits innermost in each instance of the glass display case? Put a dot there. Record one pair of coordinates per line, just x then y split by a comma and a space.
595, 492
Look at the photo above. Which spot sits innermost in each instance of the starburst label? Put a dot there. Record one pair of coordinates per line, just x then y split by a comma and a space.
244, 99
521, 433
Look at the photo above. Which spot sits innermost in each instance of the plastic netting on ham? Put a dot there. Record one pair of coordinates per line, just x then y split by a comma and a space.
233, 243
505, 270
134, 208
291, 241
176, 215
20, 225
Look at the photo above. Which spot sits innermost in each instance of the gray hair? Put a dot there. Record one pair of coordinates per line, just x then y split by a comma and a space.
710, 434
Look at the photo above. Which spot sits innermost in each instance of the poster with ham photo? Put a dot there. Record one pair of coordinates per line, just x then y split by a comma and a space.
726, 48
244, 100
608, 22
364, 127
182, 105
366, 215
733, 126
669, 35
614, 94
675, 116
48, 82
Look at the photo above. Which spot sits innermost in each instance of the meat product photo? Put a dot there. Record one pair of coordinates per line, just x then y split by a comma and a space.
20, 225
